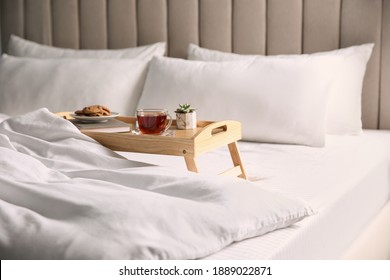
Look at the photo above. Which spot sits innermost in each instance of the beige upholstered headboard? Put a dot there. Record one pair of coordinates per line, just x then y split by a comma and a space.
242, 26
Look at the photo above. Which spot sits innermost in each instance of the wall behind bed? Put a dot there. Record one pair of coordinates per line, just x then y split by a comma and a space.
241, 26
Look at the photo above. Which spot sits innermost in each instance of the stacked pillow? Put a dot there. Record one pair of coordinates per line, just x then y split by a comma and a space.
277, 100
67, 80
294, 99
24, 48
28, 84
344, 107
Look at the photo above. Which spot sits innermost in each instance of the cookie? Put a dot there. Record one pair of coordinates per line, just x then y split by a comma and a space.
94, 111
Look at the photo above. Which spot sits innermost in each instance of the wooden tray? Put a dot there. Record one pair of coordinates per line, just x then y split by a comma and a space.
187, 143
206, 137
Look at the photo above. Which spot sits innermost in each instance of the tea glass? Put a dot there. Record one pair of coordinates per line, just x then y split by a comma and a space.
153, 121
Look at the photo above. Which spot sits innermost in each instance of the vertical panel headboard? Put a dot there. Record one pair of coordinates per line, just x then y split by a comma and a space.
241, 26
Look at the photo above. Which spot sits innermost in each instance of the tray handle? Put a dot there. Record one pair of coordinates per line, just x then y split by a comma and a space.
218, 128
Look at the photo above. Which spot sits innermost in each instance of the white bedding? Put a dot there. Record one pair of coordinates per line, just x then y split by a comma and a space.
347, 181
62, 195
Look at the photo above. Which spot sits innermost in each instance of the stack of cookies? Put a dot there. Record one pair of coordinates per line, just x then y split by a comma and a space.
94, 111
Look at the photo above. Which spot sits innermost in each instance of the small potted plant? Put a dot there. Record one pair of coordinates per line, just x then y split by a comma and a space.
185, 117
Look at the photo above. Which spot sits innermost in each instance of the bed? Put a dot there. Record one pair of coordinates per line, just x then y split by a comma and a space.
346, 181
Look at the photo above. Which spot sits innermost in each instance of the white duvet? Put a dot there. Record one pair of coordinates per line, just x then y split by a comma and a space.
64, 196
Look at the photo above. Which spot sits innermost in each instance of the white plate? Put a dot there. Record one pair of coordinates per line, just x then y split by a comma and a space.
94, 119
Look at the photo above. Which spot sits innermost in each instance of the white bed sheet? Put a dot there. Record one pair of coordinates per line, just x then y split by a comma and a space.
348, 183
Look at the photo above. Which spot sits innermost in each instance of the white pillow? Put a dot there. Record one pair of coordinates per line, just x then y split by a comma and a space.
3, 117
344, 108
277, 100
24, 48
27, 84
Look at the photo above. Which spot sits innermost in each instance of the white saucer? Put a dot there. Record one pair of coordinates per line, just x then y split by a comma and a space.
94, 119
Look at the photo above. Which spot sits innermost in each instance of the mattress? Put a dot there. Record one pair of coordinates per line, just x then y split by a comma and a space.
347, 182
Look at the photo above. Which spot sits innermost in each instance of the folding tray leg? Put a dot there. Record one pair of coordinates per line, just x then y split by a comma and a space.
191, 164
235, 154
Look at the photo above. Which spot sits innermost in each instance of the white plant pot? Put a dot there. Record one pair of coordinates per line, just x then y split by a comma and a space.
186, 121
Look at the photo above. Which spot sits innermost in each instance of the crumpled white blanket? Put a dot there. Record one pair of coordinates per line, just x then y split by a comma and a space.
64, 196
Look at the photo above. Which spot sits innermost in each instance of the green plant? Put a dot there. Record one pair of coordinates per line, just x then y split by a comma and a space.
184, 109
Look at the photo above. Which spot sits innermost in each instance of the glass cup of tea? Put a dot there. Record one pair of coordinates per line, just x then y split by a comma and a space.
153, 121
